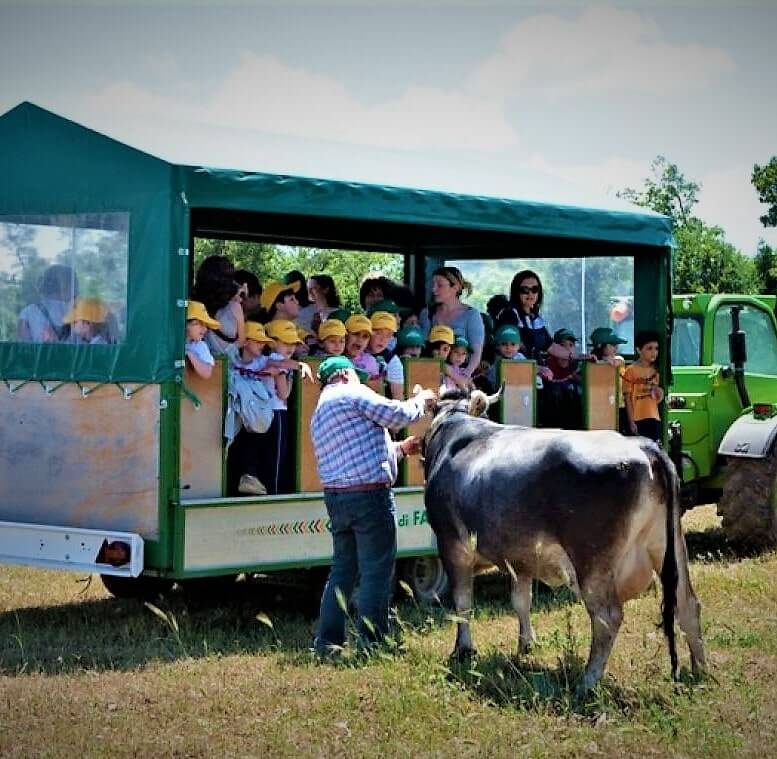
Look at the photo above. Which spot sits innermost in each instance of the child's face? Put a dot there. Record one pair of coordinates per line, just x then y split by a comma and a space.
356, 343
334, 345
609, 350
457, 356
253, 348
83, 328
508, 350
289, 306
412, 351
195, 330
648, 352
441, 351
285, 349
411, 320
380, 339
570, 345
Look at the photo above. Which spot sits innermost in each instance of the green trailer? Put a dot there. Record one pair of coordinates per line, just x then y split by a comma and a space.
111, 448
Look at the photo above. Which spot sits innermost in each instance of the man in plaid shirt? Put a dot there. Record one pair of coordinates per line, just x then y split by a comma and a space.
357, 464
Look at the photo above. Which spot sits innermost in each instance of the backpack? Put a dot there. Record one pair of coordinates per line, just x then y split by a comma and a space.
248, 405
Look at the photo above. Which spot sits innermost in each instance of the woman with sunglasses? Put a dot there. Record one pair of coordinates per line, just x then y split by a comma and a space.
523, 311
447, 309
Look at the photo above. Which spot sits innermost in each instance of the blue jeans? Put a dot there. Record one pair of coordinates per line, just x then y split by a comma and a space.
364, 534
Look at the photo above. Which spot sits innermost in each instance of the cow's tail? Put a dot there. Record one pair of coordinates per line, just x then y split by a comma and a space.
669, 569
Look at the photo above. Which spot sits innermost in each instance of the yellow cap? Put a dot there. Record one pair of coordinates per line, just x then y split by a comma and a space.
283, 331
442, 334
272, 290
358, 323
331, 328
196, 310
255, 331
384, 320
87, 310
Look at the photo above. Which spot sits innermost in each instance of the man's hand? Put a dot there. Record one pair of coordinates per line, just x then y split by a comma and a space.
411, 446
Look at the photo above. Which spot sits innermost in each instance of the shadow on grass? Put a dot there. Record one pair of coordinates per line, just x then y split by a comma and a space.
526, 684
712, 546
113, 634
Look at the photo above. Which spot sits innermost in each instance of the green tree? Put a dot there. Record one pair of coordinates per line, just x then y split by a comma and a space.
764, 180
705, 263
765, 263
666, 191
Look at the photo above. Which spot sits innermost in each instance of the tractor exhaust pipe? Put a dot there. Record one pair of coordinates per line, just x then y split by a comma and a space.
737, 351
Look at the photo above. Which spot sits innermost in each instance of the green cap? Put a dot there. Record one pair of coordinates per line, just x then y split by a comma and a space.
386, 304
461, 342
564, 334
507, 333
410, 337
362, 374
605, 336
341, 314
331, 365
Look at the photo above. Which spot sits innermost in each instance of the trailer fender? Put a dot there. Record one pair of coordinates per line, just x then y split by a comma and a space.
749, 437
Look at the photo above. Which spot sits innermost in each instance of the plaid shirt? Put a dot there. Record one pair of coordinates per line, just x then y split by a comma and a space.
350, 434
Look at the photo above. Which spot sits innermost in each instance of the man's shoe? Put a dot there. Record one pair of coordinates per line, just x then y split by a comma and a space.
250, 485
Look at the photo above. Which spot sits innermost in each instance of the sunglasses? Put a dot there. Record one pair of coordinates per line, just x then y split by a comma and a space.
526, 289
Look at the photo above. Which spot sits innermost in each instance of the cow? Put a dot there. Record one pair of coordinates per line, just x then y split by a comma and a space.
593, 510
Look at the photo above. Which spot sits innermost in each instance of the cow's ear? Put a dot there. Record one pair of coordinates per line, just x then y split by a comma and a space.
478, 403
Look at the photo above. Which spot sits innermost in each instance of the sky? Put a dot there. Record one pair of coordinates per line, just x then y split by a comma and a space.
555, 100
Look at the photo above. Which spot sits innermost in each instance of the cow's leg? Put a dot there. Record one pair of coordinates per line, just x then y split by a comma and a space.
462, 591
606, 613
688, 608
520, 595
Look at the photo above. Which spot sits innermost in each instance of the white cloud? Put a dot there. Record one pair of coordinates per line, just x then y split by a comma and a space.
264, 94
603, 50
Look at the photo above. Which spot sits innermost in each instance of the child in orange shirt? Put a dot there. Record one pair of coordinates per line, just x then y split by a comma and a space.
642, 390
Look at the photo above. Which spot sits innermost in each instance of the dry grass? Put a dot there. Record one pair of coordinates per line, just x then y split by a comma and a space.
83, 674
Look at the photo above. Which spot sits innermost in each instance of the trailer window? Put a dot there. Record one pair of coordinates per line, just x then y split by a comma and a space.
579, 293
63, 278
760, 338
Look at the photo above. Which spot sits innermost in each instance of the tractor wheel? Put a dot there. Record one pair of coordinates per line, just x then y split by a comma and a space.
747, 504
426, 577
145, 588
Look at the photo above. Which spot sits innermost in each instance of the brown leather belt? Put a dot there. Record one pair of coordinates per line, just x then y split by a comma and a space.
365, 488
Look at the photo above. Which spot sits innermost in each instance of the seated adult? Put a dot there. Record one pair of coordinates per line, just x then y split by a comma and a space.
250, 289
325, 298
306, 307
374, 287
42, 321
216, 288
524, 311
447, 309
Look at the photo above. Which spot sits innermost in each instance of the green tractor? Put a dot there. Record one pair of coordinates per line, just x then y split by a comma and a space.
723, 402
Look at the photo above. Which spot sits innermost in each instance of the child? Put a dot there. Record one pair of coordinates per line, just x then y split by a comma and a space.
331, 337
88, 320
247, 450
357, 340
440, 342
274, 465
641, 388
410, 341
458, 356
384, 327
564, 369
507, 344
198, 322
604, 347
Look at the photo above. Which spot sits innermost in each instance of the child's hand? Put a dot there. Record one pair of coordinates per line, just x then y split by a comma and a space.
305, 371
633, 428
657, 393
545, 372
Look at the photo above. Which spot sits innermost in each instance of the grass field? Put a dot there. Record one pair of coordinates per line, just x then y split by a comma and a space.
82, 674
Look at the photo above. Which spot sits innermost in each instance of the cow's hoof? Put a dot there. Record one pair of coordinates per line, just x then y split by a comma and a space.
463, 654
525, 647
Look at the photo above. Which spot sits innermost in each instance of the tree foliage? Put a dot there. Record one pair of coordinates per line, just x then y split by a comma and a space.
271, 262
765, 263
666, 191
765, 182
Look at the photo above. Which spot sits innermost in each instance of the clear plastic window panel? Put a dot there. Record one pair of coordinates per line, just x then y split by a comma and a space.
63, 278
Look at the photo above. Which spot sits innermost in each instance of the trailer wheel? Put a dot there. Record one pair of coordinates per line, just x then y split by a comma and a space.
747, 504
426, 577
143, 587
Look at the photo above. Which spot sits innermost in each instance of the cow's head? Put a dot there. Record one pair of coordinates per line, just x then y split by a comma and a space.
472, 402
